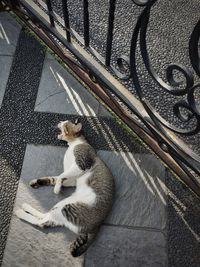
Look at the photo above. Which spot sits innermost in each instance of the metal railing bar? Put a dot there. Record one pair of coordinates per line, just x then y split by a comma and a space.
86, 23
99, 71
110, 31
80, 39
14, 3
49, 7
88, 61
62, 22
107, 80
66, 19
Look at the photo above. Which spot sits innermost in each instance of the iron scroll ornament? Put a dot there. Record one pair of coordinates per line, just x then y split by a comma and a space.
194, 47
123, 60
141, 2
172, 85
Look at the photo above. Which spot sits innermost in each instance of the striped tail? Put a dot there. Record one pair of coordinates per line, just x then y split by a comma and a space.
81, 244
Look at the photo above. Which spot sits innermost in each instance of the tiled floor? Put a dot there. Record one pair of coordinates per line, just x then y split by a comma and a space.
5, 63
133, 233
136, 220
34, 96
60, 92
9, 33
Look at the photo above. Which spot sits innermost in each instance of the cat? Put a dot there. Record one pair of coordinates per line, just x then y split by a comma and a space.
84, 211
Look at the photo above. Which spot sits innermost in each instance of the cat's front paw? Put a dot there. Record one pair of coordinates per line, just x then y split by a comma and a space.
20, 213
34, 183
26, 207
56, 190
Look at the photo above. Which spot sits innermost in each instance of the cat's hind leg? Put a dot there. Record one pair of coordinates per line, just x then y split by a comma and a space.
32, 219
82, 242
27, 208
48, 180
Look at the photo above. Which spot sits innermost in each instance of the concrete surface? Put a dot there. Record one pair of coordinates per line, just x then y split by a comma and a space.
29, 245
140, 199
59, 92
9, 33
5, 63
117, 246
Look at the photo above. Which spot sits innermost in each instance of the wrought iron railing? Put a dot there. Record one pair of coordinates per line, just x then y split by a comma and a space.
180, 81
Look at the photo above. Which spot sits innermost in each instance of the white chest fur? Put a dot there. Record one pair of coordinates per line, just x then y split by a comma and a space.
69, 159
84, 193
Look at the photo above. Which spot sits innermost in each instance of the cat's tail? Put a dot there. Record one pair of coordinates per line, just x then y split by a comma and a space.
81, 244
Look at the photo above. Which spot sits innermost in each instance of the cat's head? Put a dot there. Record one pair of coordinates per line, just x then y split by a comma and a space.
69, 130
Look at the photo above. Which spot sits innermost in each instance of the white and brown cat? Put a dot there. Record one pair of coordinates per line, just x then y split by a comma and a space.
85, 210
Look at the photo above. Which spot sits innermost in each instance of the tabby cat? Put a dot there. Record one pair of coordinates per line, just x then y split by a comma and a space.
84, 211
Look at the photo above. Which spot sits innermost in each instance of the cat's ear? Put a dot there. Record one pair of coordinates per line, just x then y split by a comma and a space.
78, 128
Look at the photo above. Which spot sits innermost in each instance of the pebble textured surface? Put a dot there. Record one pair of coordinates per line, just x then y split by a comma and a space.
20, 125
15, 113
167, 43
117, 245
183, 225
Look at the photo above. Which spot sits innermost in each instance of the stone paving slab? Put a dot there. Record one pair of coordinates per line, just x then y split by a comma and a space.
140, 198
183, 207
27, 245
60, 92
5, 63
135, 205
122, 247
9, 33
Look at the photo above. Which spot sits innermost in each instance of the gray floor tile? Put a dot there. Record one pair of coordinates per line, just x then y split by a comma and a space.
137, 204
5, 63
60, 92
140, 197
104, 112
28, 245
9, 33
121, 247
49, 56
